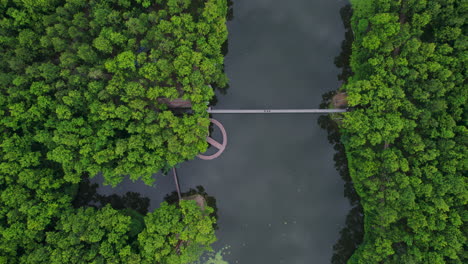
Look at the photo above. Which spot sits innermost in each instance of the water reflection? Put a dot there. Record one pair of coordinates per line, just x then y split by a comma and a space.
343, 60
230, 12
87, 196
351, 235
215, 257
224, 51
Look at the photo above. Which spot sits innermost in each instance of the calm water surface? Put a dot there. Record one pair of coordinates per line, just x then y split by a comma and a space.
279, 197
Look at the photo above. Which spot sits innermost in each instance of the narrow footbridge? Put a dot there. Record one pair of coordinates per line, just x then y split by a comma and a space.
222, 146
275, 111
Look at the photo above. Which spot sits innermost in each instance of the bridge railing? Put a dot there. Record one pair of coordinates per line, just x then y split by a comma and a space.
274, 111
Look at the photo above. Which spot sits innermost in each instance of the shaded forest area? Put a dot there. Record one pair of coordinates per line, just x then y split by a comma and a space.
80, 82
406, 138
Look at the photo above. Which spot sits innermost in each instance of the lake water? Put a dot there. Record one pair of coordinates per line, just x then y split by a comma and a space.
279, 196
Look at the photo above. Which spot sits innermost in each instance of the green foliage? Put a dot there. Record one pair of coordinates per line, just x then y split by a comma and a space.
175, 235
406, 137
106, 68
91, 236
79, 83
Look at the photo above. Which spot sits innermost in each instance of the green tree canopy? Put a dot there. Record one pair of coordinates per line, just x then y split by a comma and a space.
406, 137
80, 82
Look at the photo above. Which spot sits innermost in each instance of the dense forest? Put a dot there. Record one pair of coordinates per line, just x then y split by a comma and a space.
84, 86
406, 137
80, 86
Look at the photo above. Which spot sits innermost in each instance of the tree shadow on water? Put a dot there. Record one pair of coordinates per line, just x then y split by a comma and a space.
87, 196
343, 59
352, 234
224, 51
230, 11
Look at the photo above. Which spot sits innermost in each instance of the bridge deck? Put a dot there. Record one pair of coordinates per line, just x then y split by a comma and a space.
274, 111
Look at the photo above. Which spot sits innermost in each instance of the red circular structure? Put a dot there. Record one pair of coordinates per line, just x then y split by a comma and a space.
220, 146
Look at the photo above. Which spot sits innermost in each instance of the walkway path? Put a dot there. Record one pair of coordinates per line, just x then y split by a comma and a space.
220, 146
176, 181
274, 111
